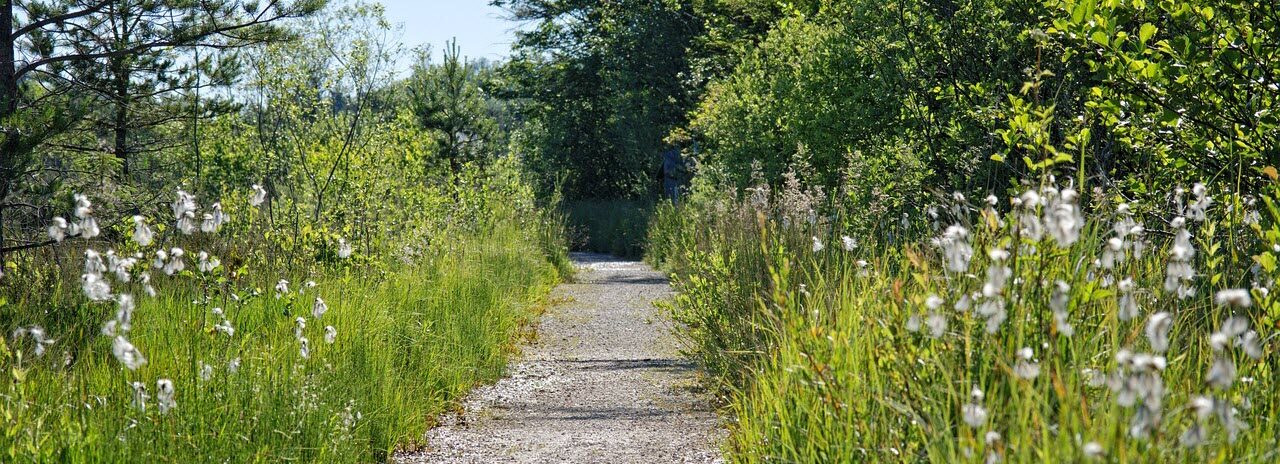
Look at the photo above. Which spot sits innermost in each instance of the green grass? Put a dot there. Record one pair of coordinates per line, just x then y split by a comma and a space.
408, 346
814, 353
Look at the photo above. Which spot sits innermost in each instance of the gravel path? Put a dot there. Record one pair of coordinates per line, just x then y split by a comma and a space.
604, 383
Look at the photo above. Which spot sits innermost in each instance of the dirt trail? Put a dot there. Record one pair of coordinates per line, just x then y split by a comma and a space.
603, 384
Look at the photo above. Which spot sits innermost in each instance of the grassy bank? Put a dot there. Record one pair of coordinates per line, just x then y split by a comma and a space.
349, 360
982, 341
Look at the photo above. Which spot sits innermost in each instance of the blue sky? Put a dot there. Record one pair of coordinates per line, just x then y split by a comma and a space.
480, 29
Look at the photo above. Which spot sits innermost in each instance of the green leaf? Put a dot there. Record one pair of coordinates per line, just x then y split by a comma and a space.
1146, 32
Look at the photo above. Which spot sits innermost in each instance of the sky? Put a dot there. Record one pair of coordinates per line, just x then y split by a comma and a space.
479, 28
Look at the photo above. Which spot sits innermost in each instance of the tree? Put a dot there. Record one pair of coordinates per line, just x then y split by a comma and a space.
601, 84
45, 44
448, 102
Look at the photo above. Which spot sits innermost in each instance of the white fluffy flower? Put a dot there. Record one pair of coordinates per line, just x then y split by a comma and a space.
319, 308
330, 334
849, 243
344, 249
259, 195
58, 230
1158, 327
1235, 297
126, 353
164, 396
142, 234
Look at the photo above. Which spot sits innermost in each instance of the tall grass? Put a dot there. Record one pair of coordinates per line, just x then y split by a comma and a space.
882, 353
413, 334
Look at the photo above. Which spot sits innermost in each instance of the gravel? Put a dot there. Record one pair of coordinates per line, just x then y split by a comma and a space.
603, 383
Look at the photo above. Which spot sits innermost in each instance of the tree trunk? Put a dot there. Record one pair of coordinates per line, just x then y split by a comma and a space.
120, 75
10, 147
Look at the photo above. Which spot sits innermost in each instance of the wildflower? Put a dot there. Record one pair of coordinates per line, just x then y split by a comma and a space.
84, 208
1062, 217
933, 302
187, 223
1250, 345
973, 413
319, 308
913, 323
1137, 382
161, 257
1196, 210
184, 203
95, 288
1222, 373
215, 220
126, 353
304, 348
145, 278
300, 325
206, 371
282, 288
1092, 450
309, 284
225, 328
259, 195
139, 395
1029, 225
817, 245
330, 334
937, 324
344, 248
993, 310
1058, 303
1112, 253
997, 274
207, 263
38, 336
142, 234
121, 267
164, 395
1158, 326
1026, 367
1127, 304
956, 249
93, 263
1236, 297
849, 243
58, 230
1179, 270
233, 366
175, 264
89, 228
965, 302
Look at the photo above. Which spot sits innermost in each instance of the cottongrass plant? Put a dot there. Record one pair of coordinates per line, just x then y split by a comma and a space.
197, 364
1039, 328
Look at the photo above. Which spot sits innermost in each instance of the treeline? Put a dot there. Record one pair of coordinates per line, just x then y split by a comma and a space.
884, 104
129, 100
